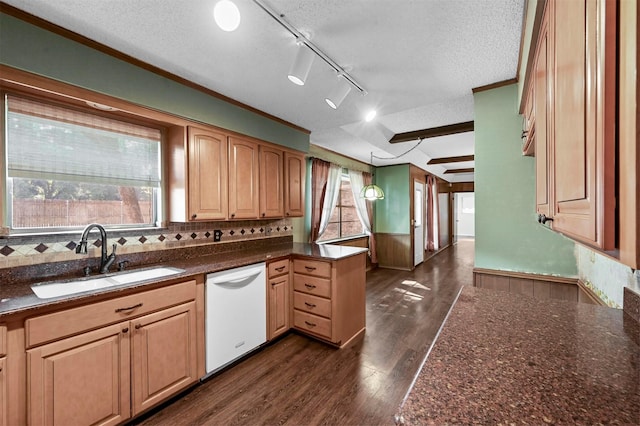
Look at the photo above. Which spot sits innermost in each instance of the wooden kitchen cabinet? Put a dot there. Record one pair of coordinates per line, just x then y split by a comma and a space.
243, 179
294, 174
271, 182
278, 290
574, 86
163, 354
82, 379
104, 362
329, 298
3, 375
528, 130
541, 90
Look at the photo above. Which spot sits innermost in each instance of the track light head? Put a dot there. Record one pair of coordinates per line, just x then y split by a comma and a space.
338, 93
301, 65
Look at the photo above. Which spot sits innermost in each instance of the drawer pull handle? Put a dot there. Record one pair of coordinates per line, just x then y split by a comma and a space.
280, 269
311, 305
310, 324
309, 285
310, 268
129, 308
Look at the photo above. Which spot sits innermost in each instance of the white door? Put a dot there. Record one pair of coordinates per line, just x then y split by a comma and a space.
464, 205
418, 222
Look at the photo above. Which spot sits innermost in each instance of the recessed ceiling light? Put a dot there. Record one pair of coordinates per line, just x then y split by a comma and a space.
226, 15
370, 115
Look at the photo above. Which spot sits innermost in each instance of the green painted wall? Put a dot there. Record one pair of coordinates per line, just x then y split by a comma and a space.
507, 234
392, 215
30, 48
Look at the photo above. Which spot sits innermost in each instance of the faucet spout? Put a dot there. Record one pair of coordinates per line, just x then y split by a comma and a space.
105, 261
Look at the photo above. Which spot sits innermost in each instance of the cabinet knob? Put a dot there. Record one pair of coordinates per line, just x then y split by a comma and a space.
233, 215
125, 330
137, 326
542, 218
524, 134
193, 216
288, 214
264, 214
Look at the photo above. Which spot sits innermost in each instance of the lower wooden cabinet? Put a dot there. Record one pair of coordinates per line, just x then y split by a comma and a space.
278, 290
109, 374
81, 380
3, 391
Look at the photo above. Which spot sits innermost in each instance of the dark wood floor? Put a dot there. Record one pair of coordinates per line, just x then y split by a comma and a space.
300, 381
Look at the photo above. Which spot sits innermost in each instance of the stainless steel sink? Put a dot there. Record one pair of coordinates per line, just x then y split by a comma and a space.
47, 290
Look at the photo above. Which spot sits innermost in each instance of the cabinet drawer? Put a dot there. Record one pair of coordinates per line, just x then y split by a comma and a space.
3, 339
312, 267
312, 304
312, 323
56, 325
278, 268
312, 285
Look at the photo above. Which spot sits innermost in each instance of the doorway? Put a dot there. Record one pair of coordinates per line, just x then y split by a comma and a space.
464, 216
418, 222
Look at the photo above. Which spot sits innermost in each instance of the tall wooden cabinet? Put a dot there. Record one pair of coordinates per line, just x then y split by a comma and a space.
207, 170
271, 182
294, 173
243, 179
574, 88
3, 375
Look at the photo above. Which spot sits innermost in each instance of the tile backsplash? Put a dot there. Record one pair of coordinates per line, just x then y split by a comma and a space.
31, 250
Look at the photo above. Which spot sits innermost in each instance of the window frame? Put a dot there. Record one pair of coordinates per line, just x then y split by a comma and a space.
343, 177
158, 196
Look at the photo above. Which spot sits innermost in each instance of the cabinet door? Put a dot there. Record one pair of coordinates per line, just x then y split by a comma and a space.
207, 175
542, 95
278, 305
294, 169
243, 179
3, 391
163, 355
271, 182
584, 120
81, 380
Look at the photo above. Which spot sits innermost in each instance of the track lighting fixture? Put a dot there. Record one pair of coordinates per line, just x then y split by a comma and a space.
338, 93
302, 64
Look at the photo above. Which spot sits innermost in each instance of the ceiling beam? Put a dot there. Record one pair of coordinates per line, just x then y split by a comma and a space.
445, 160
433, 132
469, 170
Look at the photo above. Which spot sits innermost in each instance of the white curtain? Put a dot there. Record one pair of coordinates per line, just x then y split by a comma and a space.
330, 196
357, 183
435, 211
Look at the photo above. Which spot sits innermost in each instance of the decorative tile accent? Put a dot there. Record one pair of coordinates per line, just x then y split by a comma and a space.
6, 251
31, 250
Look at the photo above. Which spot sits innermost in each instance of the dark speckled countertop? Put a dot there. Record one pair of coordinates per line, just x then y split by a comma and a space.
502, 358
18, 297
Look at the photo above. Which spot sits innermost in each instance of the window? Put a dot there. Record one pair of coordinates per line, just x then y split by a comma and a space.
344, 220
67, 168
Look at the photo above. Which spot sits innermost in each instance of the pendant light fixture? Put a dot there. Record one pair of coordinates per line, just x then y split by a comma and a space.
226, 15
372, 192
338, 93
301, 65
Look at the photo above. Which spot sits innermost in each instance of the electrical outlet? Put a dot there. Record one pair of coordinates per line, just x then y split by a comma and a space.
217, 234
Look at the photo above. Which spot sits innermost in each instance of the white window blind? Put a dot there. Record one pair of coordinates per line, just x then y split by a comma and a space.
50, 142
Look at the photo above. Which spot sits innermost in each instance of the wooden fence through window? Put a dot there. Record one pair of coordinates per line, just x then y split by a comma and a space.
64, 213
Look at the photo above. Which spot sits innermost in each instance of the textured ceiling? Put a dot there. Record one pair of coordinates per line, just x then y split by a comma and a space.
417, 59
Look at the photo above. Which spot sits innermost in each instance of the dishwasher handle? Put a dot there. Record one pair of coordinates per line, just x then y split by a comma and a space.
236, 277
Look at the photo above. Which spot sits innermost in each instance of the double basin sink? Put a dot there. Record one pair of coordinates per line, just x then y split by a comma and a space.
47, 290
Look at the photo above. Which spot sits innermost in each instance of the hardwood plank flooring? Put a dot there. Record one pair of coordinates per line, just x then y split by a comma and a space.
300, 381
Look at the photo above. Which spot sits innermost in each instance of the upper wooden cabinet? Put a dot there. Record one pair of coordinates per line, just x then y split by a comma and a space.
574, 86
215, 175
243, 179
271, 182
294, 173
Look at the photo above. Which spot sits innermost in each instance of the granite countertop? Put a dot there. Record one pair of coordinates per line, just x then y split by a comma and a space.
18, 297
502, 358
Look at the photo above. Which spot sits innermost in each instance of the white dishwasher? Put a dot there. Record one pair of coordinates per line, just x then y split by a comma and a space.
236, 314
